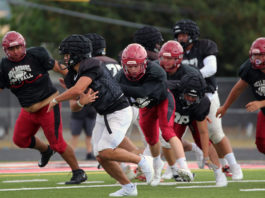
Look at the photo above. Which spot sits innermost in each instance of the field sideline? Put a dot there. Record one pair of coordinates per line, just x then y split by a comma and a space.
50, 183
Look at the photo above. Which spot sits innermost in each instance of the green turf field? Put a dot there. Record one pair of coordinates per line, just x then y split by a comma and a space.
99, 184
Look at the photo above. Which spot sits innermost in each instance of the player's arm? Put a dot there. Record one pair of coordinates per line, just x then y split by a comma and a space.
210, 66
204, 137
59, 69
235, 92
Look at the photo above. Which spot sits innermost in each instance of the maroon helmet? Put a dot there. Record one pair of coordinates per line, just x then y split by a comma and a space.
12, 39
134, 54
257, 53
171, 49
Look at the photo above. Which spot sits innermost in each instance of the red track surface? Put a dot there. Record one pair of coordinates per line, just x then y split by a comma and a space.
60, 166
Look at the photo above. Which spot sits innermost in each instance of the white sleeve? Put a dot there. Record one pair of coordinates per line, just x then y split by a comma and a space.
210, 66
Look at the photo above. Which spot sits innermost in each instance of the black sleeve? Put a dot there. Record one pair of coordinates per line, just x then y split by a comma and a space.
202, 110
174, 85
43, 56
244, 70
91, 68
209, 47
140, 91
2, 84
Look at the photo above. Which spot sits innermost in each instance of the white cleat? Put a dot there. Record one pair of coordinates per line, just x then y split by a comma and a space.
125, 192
157, 174
147, 169
236, 172
220, 179
185, 174
168, 173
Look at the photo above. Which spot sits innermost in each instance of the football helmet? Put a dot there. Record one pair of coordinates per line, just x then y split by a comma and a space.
134, 54
78, 47
193, 86
257, 53
189, 27
98, 44
148, 37
12, 39
170, 49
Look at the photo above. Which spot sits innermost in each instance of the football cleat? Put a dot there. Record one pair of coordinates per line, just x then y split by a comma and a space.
45, 157
125, 192
236, 172
78, 177
168, 173
220, 179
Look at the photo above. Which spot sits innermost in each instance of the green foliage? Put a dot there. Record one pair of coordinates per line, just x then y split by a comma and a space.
233, 25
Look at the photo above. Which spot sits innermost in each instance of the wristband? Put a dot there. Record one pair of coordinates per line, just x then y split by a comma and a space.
79, 104
54, 101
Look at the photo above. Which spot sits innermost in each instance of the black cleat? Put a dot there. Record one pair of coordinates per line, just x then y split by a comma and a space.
45, 157
78, 177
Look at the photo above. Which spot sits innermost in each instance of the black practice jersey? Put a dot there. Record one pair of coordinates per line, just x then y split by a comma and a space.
89, 111
28, 79
151, 88
112, 65
201, 49
110, 96
186, 114
198, 111
256, 80
174, 79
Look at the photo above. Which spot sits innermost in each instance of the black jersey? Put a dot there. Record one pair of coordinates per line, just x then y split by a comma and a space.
112, 65
256, 80
28, 79
110, 96
201, 49
151, 87
88, 110
174, 79
185, 115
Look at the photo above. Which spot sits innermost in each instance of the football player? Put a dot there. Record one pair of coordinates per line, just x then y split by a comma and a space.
252, 73
25, 73
144, 83
192, 106
114, 112
201, 53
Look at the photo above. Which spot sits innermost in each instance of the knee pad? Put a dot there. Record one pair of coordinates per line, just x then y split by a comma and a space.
261, 145
216, 137
33, 142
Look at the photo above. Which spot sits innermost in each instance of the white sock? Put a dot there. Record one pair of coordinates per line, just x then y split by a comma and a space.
157, 161
218, 171
174, 169
194, 147
182, 163
223, 162
230, 157
141, 161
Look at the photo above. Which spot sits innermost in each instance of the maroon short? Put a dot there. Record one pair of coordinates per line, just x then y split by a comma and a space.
260, 132
160, 116
28, 124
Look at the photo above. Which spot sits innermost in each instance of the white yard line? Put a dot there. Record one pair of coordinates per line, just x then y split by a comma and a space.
112, 185
252, 189
22, 181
